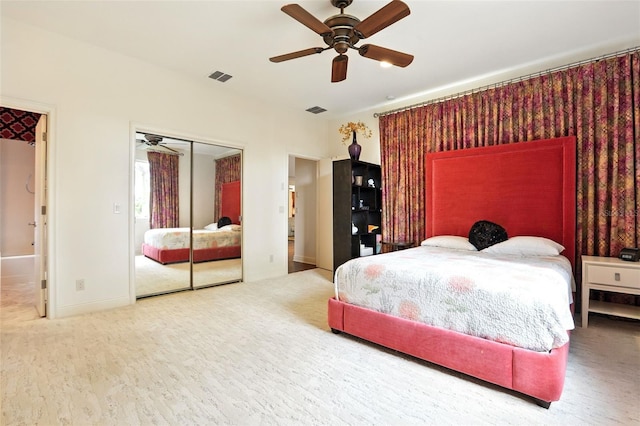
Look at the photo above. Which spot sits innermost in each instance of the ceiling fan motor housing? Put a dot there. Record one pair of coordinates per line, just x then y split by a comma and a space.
341, 4
153, 139
343, 35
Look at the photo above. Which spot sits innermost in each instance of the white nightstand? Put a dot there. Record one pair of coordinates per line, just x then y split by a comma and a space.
609, 274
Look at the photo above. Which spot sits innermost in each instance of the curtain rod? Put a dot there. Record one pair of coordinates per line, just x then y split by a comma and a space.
513, 80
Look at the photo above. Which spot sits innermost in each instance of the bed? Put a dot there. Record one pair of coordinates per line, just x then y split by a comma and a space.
529, 189
172, 245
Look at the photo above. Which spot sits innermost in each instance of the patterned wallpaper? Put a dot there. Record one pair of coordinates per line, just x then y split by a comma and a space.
18, 125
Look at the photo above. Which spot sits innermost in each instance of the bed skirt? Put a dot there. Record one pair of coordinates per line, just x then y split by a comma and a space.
182, 255
537, 374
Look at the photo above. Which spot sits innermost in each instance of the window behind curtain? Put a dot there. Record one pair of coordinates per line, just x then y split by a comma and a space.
142, 189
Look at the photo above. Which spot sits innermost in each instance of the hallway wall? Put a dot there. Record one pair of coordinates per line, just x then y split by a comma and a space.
17, 163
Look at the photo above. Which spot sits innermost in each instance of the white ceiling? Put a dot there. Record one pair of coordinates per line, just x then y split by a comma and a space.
452, 41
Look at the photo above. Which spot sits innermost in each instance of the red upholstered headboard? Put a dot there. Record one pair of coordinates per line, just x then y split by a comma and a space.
230, 201
528, 187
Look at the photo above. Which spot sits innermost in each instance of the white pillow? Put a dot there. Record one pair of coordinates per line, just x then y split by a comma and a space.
526, 246
211, 226
449, 241
232, 227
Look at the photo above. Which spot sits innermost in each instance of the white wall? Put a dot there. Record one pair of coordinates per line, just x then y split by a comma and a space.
204, 190
97, 98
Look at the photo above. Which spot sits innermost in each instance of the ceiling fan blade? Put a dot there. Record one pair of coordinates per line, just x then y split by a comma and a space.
142, 144
387, 15
339, 68
161, 148
383, 54
305, 18
298, 54
169, 148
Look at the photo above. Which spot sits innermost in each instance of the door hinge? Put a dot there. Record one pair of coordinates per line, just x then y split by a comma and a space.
44, 136
43, 284
43, 210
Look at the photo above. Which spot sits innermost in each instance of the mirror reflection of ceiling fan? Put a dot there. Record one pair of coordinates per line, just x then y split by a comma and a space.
154, 142
342, 32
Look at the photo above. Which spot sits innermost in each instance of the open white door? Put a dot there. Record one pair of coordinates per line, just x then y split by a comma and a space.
324, 216
40, 217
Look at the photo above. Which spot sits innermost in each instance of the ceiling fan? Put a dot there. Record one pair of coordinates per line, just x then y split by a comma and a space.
342, 32
147, 141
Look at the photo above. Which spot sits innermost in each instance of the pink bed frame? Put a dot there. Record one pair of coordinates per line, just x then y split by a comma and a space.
527, 187
165, 256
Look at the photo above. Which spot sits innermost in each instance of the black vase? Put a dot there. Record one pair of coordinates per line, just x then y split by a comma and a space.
354, 149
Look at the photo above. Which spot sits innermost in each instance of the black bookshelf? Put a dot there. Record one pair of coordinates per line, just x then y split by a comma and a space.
357, 200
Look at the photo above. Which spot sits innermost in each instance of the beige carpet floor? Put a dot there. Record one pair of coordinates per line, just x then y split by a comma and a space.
153, 277
261, 353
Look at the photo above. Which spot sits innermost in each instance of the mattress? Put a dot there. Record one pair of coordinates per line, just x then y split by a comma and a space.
178, 238
521, 301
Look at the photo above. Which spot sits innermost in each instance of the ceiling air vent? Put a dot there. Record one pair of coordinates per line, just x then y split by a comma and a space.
220, 76
316, 110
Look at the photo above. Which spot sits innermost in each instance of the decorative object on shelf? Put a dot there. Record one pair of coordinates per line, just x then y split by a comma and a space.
371, 183
350, 130
358, 178
354, 229
365, 251
354, 151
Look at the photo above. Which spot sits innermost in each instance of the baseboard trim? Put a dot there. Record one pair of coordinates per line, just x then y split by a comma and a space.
85, 308
304, 259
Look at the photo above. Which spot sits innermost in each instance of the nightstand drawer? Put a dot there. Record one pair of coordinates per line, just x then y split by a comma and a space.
613, 275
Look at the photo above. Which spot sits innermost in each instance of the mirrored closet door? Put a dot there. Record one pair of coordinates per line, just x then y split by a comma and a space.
183, 240
217, 228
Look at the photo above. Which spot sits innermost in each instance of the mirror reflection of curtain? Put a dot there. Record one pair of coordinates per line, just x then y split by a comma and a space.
228, 169
164, 202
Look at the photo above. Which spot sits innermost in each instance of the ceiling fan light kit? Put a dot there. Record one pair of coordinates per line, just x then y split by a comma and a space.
342, 32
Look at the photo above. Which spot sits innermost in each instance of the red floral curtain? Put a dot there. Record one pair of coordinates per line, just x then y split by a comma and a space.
402, 151
598, 102
164, 201
228, 169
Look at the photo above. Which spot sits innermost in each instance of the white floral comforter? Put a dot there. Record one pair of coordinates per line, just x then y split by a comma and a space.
175, 238
519, 301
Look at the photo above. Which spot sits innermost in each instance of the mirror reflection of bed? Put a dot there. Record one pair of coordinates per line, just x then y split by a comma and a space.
179, 245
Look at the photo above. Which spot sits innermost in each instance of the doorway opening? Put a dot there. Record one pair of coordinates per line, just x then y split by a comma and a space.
301, 220
23, 267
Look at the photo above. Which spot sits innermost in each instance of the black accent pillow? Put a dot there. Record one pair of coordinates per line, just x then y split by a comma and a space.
484, 234
223, 221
